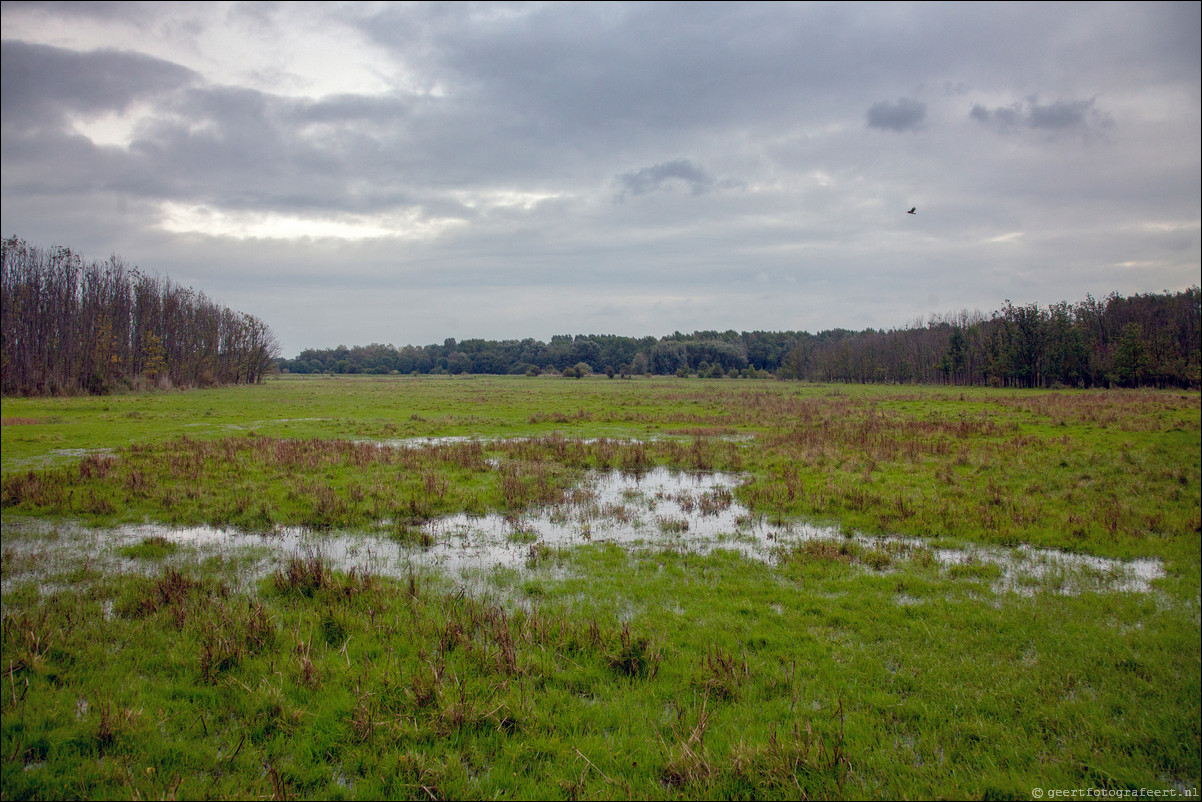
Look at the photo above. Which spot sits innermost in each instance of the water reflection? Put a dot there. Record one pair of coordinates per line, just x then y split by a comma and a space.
661, 509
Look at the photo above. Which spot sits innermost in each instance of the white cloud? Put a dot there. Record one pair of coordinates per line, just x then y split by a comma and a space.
180, 218
1013, 236
1167, 226
486, 199
114, 128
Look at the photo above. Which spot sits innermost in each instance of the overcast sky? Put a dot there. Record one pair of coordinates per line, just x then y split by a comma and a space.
402, 173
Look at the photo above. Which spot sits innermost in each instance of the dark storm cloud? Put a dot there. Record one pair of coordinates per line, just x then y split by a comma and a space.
904, 115
1078, 116
40, 84
660, 176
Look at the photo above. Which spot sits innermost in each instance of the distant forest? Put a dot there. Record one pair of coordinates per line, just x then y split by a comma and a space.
70, 327
1141, 340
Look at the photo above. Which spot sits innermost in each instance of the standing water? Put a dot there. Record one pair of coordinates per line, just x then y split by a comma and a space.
661, 509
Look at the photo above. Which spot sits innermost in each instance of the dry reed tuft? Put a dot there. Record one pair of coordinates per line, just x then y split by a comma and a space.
722, 676
688, 763
305, 575
636, 656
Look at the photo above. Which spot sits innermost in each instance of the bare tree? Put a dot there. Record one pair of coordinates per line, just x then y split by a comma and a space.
71, 327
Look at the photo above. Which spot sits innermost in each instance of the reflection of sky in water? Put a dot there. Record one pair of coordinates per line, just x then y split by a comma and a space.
662, 509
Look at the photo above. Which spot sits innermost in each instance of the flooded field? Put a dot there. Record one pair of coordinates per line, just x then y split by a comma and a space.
688, 513
701, 590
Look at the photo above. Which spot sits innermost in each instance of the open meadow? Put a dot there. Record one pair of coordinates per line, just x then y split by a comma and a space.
480, 587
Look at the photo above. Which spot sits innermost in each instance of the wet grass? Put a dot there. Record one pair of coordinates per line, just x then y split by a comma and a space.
1112, 473
599, 675
841, 669
258, 482
151, 548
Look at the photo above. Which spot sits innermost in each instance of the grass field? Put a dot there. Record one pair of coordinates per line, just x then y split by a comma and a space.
862, 664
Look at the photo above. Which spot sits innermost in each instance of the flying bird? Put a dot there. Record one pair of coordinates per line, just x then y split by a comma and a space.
912, 211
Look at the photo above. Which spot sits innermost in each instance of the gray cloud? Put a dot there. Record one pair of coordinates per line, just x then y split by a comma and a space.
522, 123
1079, 116
39, 85
904, 115
663, 175
233, 147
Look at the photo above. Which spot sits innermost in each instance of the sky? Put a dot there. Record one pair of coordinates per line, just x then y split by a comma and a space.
356, 173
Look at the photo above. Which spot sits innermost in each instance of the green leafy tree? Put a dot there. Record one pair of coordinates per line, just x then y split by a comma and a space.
1130, 366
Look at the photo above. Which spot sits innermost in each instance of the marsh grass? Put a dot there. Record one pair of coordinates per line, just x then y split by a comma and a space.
154, 547
847, 551
843, 669
259, 483
321, 684
1115, 473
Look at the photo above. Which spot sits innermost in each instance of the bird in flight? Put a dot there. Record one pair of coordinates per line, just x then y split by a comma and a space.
912, 211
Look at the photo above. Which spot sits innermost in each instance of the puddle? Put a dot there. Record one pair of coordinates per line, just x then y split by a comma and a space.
661, 509
56, 457
430, 441
250, 426
1025, 570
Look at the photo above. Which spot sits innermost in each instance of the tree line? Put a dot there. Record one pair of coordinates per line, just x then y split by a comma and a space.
710, 353
75, 327
1137, 341
1150, 339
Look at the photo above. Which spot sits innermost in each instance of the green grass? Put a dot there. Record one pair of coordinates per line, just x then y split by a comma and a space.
652, 676
840, 670
151, 548
348, 408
